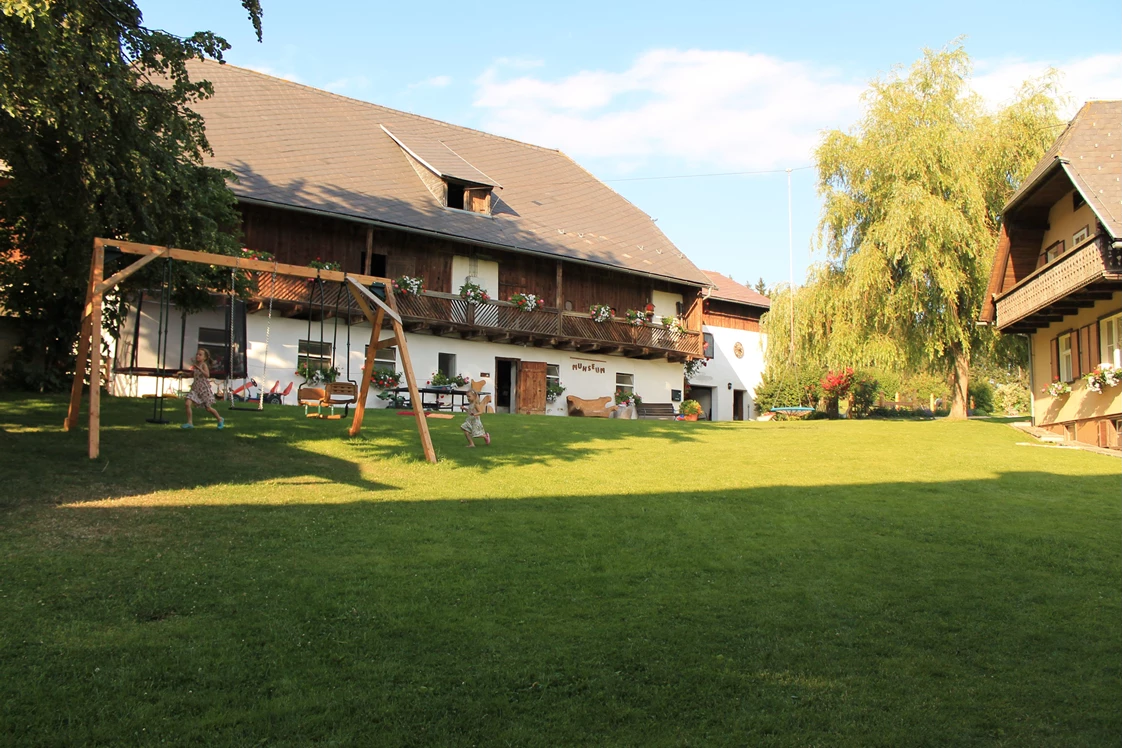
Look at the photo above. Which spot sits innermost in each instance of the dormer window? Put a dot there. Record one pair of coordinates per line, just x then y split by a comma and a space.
449, 177
472, 198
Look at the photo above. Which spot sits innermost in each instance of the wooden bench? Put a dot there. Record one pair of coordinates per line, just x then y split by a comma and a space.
656, 411
579, 406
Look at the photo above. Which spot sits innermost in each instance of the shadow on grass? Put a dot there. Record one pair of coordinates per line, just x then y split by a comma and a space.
278, 444
825, 614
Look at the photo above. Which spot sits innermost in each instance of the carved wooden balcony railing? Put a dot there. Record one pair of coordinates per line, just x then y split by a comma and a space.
1074, 280
502, 321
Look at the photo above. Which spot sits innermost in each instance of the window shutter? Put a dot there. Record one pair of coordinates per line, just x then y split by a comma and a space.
1055, 359
1086, 353
1095, 355
1074, 343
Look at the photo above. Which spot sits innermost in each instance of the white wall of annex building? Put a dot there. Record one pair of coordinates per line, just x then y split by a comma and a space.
726, 369
585, 375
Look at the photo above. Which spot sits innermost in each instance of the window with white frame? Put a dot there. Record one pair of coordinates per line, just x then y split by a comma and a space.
1064, 357
314, 353
553, 374
625, 383
385, 359
1110, 341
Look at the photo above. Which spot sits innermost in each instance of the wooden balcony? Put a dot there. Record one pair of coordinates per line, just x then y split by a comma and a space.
1075, 280
503, 322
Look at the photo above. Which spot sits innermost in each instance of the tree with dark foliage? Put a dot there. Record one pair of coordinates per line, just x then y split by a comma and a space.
97, 138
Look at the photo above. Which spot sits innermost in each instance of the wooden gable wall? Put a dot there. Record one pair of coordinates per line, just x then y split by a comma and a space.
299, 238
732, 316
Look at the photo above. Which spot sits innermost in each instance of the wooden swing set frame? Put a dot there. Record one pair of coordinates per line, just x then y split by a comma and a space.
373, 308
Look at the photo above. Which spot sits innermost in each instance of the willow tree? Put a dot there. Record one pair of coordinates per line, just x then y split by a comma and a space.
97, 138
911, 199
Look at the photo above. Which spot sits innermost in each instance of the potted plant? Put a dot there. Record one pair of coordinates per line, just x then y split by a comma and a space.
635, 317
440, 379
626, 399
1057, 388
386, 380
527, 302
473, 293
600, 312
407, 285
310, 373
690, 410
323, 264
554, 390
1104, 375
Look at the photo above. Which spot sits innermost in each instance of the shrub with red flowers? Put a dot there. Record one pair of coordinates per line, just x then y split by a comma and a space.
836, 385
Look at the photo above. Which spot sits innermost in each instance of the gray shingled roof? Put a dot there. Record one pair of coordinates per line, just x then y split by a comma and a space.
293, 145
727, 289
1089, 151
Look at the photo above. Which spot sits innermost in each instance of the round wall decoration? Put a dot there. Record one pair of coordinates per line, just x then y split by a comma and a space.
738, 350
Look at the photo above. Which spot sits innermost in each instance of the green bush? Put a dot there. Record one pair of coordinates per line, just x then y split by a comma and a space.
780, 388
863, 394
981, 391
1011, 398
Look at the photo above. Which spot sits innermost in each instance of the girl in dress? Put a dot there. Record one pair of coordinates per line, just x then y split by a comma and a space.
472, 426
200, 393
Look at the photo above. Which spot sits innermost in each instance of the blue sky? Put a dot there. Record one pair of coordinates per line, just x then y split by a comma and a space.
658, 89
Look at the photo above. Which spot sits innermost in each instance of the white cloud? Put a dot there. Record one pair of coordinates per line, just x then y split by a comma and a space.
437, 81
726, 109
708, 107
1081, 79
351, 83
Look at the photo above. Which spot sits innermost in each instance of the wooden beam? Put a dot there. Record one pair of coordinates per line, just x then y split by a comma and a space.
370, 249
368, 369
96, 271
414, 395
357, 288
85, 330
208, 258
559, 298
112, 281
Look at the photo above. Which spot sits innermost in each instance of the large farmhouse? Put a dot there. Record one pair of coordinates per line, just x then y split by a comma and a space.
1056, 278
326, 179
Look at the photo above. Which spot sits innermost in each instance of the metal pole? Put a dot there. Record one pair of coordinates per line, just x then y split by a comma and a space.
791, 272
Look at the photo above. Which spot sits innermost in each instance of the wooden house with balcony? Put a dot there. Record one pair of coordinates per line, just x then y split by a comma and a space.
375, 191
1056, 277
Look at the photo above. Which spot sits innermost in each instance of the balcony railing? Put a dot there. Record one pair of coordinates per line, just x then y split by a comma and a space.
502, 320
1092, 262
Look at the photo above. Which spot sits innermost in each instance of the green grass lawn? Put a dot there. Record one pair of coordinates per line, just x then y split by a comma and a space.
580, 582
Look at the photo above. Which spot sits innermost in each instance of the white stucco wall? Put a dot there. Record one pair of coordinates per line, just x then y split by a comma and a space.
585, 375
726, 369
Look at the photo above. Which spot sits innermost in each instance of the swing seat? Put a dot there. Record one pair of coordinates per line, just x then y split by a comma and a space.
337, 394
309, 396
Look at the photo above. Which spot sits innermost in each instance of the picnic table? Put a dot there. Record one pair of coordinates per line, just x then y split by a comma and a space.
431, 397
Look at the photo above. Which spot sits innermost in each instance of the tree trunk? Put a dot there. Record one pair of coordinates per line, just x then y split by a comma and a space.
959, 382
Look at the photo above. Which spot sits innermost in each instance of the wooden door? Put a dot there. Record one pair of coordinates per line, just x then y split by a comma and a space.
738, 405
530, 392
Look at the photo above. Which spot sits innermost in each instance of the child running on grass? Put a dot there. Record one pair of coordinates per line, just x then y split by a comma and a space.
472, 425
200, 393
